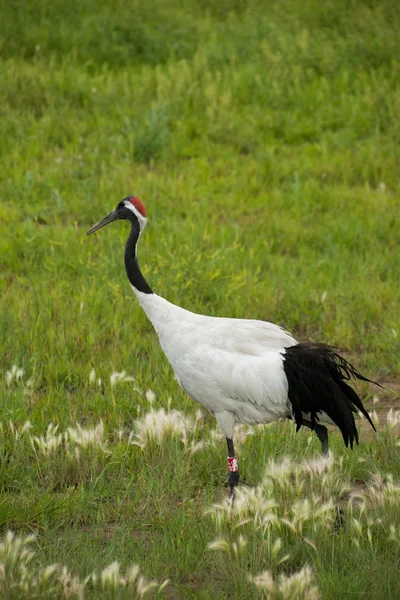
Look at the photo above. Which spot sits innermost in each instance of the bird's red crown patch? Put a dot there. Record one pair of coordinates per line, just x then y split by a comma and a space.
138, 204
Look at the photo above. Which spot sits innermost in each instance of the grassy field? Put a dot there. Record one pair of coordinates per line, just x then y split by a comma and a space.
264, 142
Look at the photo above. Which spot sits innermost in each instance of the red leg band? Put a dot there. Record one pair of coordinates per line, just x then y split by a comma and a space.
233, 464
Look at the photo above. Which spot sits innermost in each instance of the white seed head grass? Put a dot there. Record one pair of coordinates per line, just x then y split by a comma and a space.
233, 548
150, 396
15, 374
298, 586
394, 533
92, 376
20, 578
71, 440
251, 505
87, 437
299, 497
393, 418
375, 417
48, 443
155, 425
17, 432
120, 377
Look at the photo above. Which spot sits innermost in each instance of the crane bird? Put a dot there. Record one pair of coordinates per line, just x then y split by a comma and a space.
241, 370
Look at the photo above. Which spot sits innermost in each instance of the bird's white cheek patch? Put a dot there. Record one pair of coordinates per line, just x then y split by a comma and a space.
233, 464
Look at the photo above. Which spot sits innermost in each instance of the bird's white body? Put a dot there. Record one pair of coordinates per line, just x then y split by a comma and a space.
233, 367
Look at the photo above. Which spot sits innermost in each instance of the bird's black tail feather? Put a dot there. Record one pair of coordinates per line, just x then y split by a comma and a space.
317, 378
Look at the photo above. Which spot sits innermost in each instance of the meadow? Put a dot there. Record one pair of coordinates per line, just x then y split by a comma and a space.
263, 139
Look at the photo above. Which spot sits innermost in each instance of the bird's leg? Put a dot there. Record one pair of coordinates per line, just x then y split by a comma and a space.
233, 477
322, 434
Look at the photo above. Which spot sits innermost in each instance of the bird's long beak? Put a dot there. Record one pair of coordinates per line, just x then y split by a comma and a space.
113, 216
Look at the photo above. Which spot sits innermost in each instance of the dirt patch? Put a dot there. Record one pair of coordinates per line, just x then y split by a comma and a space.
385, 403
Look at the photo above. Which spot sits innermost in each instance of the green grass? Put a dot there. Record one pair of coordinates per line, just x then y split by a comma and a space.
263, 141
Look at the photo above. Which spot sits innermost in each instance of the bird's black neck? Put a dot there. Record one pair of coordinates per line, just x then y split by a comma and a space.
131, 264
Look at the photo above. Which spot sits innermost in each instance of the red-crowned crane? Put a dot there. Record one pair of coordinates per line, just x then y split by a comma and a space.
244, 371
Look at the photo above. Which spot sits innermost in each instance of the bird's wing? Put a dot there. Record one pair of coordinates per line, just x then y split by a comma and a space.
235, 369
249, 337
259, 380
